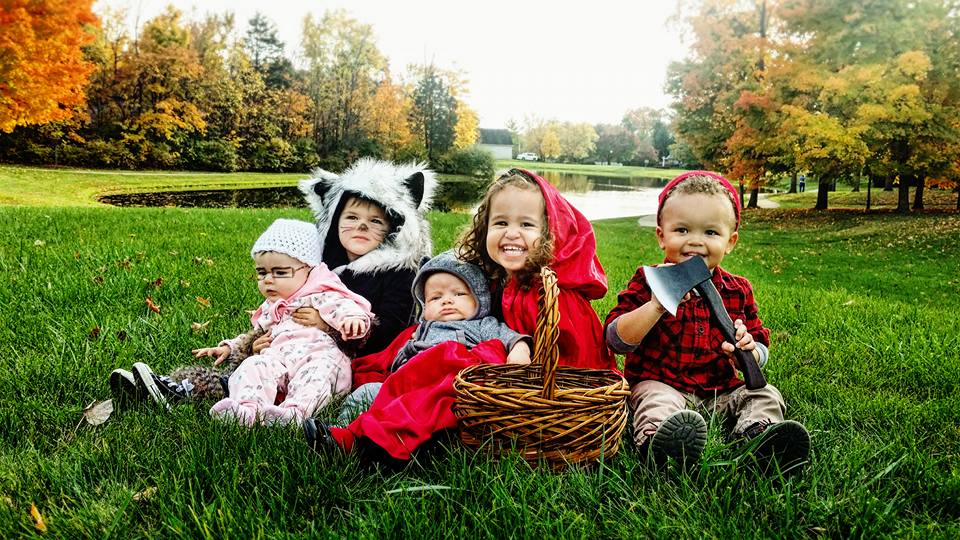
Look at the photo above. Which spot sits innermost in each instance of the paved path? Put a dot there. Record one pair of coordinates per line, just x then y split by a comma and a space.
762, 201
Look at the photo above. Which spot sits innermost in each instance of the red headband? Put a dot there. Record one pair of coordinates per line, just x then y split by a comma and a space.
734, 194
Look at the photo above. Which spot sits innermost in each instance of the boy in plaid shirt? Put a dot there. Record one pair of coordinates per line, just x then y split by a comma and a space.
678, 364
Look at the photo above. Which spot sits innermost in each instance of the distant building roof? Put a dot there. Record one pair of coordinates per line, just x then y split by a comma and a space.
495, 136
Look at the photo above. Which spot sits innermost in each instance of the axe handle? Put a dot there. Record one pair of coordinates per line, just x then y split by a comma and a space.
748, 364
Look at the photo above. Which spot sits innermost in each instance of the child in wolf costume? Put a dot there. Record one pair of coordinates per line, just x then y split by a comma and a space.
377, 261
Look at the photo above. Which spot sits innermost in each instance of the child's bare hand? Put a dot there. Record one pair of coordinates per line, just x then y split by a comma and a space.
353, 328
744, 339
520, 354
221, 353
308, 316
659, 306
262, 343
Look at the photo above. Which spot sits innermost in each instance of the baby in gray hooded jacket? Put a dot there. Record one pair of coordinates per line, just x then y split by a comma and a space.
454, 302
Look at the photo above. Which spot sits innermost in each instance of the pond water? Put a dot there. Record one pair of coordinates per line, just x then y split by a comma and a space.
606, 197
598, 197
270, 197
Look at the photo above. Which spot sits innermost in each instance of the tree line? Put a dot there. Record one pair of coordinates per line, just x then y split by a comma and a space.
194, 94
857, 92
643, 137
847, 91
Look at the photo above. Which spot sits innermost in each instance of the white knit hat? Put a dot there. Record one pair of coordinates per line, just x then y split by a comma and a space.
297, 239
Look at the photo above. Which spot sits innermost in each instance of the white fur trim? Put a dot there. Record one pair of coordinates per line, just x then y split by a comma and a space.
381, 181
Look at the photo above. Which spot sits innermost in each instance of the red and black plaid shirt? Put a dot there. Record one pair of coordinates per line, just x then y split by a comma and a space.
684, 351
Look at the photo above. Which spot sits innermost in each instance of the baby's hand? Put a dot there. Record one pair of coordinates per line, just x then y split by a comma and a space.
744, 340
221, 353
520, 354
307, 316
656, 301
262, 343
353, 328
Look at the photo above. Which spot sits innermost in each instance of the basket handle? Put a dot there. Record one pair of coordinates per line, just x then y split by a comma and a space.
547, 332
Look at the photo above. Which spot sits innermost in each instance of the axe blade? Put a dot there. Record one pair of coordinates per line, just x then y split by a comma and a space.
670, 283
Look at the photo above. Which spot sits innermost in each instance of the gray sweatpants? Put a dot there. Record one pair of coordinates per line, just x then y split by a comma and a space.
357, 402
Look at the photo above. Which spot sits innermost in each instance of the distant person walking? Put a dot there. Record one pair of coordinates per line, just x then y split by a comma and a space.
803, 184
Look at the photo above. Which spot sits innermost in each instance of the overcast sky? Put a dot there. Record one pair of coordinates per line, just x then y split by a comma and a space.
589, 62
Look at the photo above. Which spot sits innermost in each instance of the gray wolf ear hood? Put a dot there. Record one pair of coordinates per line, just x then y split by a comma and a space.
403, 190
470, 274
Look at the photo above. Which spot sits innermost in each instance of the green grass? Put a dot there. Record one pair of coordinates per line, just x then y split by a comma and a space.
866, 350
845, 197
33, 186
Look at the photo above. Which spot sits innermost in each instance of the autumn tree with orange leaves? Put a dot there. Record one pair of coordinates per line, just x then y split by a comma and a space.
840, 89
42, 69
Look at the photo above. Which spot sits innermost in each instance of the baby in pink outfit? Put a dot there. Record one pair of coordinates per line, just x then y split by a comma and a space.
302, 361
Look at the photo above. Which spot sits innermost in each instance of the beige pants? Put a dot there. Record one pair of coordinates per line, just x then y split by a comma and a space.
653, 401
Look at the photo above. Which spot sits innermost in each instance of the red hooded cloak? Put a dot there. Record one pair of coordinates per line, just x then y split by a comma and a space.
417, 401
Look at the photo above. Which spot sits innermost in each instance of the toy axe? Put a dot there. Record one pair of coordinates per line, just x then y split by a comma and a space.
671, 283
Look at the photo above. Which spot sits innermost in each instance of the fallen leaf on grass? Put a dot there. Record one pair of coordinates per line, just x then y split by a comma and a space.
203, 261
76, 255
37, 518
157, 282
203, 301
98, 412
199, 327
94, 332
185, 284
125, 264
39, 243
122, 335
849, 303
145, 494
153, 307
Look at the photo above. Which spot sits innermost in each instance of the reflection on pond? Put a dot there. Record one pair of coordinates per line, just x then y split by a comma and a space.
271, 197
583, 183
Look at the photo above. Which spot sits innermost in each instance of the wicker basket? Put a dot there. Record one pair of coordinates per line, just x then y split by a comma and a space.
556, 414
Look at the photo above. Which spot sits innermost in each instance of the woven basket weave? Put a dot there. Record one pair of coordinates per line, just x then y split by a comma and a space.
556, 414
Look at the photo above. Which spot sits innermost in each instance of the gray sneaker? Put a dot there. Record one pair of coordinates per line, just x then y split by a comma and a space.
124, 388
681, 437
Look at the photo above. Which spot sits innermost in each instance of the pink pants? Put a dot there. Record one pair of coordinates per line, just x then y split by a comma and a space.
653, 401
309, 381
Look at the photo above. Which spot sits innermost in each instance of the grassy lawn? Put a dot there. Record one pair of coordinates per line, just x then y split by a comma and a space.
866, 350
845, 197
33, 186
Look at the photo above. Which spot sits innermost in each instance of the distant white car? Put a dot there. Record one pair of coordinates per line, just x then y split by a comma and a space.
528, 156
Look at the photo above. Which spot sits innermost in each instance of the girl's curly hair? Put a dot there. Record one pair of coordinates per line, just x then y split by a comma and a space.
472, 246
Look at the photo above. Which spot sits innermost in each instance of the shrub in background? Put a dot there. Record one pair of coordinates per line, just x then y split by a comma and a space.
468, 162
215, 155
457, 192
